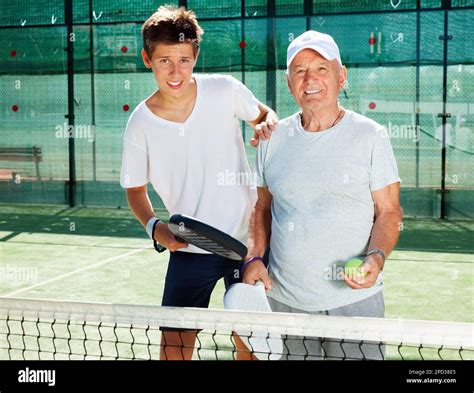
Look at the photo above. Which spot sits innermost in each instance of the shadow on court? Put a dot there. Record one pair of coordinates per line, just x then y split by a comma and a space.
76, 221
417, 234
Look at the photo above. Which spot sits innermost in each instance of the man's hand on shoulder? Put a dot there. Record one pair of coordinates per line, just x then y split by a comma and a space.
263, 131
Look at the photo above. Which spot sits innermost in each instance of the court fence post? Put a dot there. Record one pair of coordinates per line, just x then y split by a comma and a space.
271, 56
71, 183
446, 5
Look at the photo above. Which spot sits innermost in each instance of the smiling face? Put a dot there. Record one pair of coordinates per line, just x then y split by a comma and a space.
314, 81
172, 66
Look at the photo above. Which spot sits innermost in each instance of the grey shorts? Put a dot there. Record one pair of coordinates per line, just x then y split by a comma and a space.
317, 348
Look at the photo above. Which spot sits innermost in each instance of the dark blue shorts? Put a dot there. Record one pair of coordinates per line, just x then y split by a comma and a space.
191, 278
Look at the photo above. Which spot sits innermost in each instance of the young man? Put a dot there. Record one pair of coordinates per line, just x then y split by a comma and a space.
185, 139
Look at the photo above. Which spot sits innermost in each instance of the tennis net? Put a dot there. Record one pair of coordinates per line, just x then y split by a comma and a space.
62, 330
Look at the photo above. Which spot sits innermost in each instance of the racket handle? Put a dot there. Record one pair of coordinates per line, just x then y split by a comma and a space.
179, 239
259, 283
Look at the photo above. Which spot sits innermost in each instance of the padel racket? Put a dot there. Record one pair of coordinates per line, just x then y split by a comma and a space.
246, 297
206, 237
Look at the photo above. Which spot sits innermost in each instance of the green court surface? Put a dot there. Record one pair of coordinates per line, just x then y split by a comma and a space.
103, 255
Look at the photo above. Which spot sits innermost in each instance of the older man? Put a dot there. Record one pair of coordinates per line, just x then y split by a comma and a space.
328, 191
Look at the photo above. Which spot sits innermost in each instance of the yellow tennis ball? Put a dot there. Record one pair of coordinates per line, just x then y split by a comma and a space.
350, 269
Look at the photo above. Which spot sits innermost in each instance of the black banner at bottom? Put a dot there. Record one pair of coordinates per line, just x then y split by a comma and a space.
66, 376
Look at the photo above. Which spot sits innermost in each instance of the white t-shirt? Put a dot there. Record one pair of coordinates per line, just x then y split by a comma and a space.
198, 168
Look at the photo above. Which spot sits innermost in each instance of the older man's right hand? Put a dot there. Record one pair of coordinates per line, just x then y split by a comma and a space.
256, 271
263, 131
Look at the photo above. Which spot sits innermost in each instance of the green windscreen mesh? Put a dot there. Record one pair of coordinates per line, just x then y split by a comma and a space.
395, 53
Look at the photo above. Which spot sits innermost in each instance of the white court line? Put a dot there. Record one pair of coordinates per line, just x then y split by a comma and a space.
74, 272
430, 250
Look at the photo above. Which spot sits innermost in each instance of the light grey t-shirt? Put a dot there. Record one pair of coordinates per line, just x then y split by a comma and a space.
322, 209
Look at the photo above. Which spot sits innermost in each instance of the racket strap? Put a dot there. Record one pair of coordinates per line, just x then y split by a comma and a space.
158, 246
150, 226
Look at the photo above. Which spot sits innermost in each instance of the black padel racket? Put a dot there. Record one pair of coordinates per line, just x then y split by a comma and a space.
206, 237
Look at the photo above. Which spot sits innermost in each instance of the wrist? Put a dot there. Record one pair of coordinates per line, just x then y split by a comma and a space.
249, 261
379, 256
158, 247
150, 226
256, 250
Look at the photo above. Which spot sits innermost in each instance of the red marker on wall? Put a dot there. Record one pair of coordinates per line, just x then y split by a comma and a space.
375, 41
372, 42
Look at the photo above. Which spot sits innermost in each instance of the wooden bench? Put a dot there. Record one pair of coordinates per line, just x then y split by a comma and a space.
31, 154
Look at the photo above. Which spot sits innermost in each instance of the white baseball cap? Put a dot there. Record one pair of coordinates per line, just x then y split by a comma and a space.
322, 43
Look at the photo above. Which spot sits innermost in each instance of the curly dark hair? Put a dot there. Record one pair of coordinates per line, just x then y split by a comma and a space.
170, 24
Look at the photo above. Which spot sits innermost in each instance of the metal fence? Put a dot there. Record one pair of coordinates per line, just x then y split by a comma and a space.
76, 65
